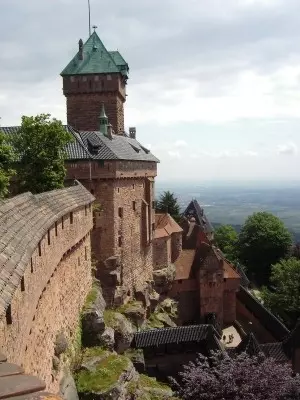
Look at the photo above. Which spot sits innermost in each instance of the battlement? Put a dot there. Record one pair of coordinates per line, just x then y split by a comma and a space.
44, 261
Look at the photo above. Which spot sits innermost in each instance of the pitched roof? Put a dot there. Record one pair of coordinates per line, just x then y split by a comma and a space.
117, 148
194, 210
157, 337
274, 350
184, 264
96, 60
165, 225
24, 220
249, 345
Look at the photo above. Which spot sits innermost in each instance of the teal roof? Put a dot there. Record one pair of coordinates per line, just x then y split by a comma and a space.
96, 60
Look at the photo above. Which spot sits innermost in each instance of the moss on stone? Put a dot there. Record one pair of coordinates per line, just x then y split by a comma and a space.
104, 376
94, 352
91, 298
146, 381
109, 318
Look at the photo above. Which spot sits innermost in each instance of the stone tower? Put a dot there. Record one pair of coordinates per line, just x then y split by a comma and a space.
95, 76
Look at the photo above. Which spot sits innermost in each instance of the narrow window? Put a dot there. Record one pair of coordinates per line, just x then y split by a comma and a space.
121, 212
92, 191
40, 249
79, 261
133, 186
22, 284
90, 207
153, 227
134, 205
71, 218
8, 315
85, 253
31, 265
85, 210
118, 190
55, 228
49, 238
62, 222
120, 241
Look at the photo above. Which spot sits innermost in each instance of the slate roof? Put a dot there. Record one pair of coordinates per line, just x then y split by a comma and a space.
274, 350
24, 220
250, 345
14, 383
117, 148
96, 60
194, 210
180, 334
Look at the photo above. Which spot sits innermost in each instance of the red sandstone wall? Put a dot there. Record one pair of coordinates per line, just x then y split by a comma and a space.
56, 284
176, 246
161, 252
243, 316
229, 307
85, 94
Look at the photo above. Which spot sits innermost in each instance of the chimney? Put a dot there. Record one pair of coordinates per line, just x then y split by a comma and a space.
109, 131
80, 44
132, 132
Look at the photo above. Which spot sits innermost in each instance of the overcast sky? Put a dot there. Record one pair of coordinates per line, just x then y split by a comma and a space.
214, 85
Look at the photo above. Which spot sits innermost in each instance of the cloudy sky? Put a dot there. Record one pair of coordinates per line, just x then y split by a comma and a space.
214, 85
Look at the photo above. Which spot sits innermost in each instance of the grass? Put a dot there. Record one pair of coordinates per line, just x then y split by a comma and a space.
153, 323
148, 382
105, 375
131, 305
90, 298
94, 352
109, 318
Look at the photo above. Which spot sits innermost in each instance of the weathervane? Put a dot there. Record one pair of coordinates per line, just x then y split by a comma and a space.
94, 27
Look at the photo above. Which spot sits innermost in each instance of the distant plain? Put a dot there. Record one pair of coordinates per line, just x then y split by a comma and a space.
232, 202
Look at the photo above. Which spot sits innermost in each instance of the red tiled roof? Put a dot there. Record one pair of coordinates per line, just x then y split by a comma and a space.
184, 264
165, 225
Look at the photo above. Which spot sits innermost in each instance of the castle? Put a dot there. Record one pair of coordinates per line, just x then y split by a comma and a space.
129, 241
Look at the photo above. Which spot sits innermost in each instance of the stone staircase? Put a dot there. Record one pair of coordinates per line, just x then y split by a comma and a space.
16, 385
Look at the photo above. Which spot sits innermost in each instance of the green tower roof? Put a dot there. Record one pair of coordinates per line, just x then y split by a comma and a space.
96, 60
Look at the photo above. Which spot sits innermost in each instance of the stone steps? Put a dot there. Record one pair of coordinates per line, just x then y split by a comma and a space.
15, 385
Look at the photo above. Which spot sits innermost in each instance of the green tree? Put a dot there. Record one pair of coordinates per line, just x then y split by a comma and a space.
226, 238
40, 144
7, 158
285, 281
167, 203
263, 241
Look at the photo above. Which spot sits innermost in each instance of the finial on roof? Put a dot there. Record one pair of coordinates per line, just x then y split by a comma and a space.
80, 54
94, 27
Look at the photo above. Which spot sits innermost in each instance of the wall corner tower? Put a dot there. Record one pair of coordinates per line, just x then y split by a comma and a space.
95, 76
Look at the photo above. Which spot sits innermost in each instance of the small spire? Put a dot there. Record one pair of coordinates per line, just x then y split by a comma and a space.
94, 27
103, 121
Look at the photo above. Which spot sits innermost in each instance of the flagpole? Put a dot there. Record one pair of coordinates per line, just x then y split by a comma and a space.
89, 18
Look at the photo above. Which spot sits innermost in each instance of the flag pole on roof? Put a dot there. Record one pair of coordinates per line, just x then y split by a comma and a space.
89, 6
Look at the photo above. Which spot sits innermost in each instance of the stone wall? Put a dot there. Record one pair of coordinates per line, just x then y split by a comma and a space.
229, 306
50, 296
176, 246
162, 252
85, 94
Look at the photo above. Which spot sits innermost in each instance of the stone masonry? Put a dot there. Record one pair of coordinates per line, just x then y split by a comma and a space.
50, 275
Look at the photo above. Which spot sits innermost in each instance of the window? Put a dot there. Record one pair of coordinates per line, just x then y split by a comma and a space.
85, 210
85, 253
120, 212
22, 284
90, 207
40, 249
118, 190
133, 186
8, 315
31, 265
153, 227
120, 241
71, 218
79, 261
134, 205
153, 204
55, 228
62, 222
49, 237
92, 191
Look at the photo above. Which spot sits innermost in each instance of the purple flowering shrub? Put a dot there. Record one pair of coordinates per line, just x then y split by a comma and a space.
220, 377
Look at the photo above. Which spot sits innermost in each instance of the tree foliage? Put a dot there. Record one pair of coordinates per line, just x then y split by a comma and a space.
263, 241
7, 158
40, 144
226, 238
285, 280
223, 378
167, 203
